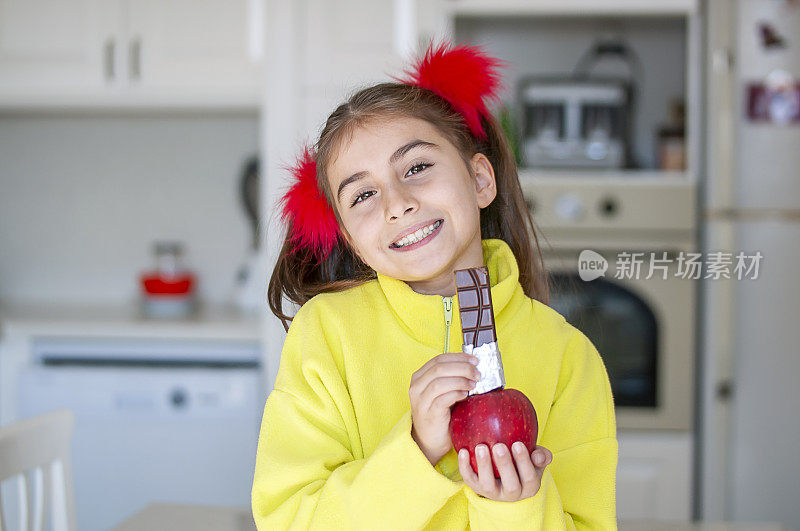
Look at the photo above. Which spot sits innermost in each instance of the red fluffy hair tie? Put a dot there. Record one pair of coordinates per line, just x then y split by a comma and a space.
463, 75
313, 222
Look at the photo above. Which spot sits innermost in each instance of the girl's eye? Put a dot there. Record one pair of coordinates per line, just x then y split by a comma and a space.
416, 168
359, 197
419, 167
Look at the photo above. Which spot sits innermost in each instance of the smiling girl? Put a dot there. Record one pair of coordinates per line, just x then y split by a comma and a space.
408, 182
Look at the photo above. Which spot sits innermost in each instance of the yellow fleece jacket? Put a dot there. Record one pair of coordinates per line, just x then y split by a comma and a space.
335, 449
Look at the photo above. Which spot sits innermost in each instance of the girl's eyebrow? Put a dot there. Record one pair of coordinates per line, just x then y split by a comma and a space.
397, 155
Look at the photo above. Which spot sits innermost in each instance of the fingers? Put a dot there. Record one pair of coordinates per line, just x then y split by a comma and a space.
542, 457
486, 480
460, 368
440, 386
528, 476
448, 364
520, 472
444, 358
510, 482
435, 384
443, 402
467, 474
434, 388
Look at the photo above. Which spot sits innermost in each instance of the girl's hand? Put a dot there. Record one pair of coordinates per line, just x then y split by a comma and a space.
437, 385
514, 484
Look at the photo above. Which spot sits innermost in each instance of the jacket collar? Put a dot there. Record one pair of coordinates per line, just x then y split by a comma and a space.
423, 315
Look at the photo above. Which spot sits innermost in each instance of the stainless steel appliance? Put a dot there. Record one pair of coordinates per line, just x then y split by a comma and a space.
575, 123
749, 428
581, 120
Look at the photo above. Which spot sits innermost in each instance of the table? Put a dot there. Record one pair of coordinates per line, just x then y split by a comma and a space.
171, 517
650, 525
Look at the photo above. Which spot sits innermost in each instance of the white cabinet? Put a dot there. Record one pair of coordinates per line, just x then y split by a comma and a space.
346, 45
130, 53
45, 43
197, 44
654, 476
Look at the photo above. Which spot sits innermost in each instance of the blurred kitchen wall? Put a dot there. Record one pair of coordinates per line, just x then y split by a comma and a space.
82, 197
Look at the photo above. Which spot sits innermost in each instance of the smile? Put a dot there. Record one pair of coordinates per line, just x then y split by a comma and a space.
419, 238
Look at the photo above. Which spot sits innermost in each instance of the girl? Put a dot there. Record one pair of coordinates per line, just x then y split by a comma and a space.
408, 182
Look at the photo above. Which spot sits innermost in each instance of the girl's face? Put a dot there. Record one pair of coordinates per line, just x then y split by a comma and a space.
398, 176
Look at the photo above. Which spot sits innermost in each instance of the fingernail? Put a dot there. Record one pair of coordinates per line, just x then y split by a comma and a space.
462, 453
518, 447
500, 449
473, 360
481, 450
539, 459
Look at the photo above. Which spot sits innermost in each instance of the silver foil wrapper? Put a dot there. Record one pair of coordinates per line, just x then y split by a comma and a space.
489, 365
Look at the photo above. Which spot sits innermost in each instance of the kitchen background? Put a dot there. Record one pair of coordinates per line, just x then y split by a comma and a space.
142, 147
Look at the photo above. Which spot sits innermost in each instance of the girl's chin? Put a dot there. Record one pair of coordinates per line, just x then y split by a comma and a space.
424, 275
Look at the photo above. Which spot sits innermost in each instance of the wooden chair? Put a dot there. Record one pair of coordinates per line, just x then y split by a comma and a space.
36, 452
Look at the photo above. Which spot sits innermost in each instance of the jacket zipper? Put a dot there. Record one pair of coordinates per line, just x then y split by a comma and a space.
448, 317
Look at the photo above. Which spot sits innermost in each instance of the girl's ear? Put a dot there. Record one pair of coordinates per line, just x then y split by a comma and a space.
485, 184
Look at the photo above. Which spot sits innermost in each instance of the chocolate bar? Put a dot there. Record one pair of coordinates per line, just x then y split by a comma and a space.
475, 305
477, 326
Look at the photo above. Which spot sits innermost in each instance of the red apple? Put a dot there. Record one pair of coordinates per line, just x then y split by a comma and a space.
499, 416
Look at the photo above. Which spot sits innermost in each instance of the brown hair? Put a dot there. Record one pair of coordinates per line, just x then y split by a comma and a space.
300, 277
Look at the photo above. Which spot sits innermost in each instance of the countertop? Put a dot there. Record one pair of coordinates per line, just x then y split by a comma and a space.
210, 322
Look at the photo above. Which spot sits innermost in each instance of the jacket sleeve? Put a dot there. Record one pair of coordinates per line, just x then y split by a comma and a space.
578, 489
310, 475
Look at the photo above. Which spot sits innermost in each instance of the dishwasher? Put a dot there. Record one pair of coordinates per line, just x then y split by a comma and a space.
156, 420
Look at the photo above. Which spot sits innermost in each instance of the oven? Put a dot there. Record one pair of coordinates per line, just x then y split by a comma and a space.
619, 255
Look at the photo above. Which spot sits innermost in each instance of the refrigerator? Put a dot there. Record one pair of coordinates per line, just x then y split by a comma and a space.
748, 429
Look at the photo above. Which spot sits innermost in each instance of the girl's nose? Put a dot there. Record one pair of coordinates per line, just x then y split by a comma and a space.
397, 203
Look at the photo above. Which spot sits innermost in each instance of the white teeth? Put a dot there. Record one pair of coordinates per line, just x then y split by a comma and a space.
418, 235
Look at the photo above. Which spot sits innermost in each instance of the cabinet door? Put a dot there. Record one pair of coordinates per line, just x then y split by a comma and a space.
57, 46
654, 476
201, 46
349, 43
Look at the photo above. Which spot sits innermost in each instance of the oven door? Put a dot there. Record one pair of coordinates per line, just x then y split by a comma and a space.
642, 327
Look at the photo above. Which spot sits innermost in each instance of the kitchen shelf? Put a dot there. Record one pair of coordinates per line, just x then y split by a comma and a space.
656, 178
486, 8
545, 38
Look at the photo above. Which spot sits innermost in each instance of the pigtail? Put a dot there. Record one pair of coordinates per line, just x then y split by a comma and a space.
299, 275
508, 217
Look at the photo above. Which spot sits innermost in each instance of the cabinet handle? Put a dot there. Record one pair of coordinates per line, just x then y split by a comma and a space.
724, 390
108, 59
135, 56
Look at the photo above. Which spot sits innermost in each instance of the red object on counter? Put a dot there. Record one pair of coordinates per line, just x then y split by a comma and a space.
154, 284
